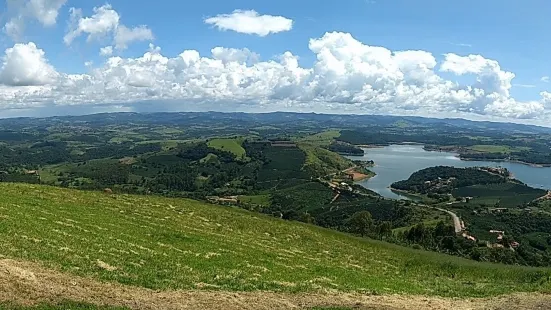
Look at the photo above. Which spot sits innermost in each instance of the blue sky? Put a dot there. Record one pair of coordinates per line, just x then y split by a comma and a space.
511, 33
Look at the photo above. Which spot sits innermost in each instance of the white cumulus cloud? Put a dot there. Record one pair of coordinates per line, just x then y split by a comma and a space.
124, 35
105, 23
106, 51
346, 76
25, 65
44, 11
250, 22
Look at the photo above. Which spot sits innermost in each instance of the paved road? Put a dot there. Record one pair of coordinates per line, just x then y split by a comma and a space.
456, 220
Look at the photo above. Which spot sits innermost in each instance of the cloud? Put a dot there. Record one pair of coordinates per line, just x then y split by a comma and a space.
524, 85
490, 77
347, 76
250, 22
229, 55
25, 65
545, 79
106, 51
44, 11
546, 97
104, 23
462, 44
124, 35
14, 28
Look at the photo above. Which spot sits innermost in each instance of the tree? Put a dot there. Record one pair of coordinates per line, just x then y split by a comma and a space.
361, 223
306, 218
384, 229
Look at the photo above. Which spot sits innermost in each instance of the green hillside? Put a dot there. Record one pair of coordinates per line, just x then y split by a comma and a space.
232, 145
163, 243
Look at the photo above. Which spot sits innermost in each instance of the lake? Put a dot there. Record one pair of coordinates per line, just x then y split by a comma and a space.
397, 162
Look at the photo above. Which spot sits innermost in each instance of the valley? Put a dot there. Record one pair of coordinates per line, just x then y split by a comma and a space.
282, 203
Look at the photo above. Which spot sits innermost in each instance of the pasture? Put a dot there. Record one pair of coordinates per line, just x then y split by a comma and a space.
232, 145
490, 148
163, 243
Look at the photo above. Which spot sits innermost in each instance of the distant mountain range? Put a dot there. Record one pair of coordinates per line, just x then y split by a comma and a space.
280, 118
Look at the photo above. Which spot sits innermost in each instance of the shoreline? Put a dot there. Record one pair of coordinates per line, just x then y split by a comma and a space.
457, 151
358, 177
370, 146
508, 161
458, 154
407, 194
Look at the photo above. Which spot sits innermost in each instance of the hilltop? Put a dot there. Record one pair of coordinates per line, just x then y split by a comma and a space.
141, 243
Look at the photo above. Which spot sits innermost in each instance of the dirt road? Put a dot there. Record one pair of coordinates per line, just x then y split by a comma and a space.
27, 283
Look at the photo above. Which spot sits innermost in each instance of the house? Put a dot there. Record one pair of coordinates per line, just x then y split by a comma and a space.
31, 172
498, 210
223, 200
515, 244
468, 237
500, 234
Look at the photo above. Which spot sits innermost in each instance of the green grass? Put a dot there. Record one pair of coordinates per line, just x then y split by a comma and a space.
320, 161
163, 243
210, 158
322, 138
49, 174
497, 148
168, 131
229, 145
120, 140
263, 200
168, 144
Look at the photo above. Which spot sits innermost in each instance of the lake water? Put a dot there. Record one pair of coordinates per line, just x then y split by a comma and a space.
397, 162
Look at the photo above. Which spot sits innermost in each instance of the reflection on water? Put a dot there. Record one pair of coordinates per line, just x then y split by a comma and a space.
397, 162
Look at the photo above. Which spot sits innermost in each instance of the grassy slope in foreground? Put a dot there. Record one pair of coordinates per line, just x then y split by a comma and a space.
183, 244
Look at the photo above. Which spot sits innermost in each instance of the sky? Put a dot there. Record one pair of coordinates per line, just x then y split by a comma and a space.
481, 60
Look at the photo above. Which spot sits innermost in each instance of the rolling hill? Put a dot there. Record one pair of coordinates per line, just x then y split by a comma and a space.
153, 246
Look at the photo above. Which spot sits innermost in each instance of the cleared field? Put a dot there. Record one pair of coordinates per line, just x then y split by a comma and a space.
322, 138
230, 145
488, 148
263, 200
168, 144
320, 161
163, 243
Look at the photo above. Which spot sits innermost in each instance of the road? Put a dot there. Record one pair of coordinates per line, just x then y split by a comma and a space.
456, 220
